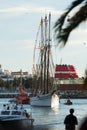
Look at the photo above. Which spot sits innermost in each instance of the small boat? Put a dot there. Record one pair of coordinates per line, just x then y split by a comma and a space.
14, 116
68, 102
22, 97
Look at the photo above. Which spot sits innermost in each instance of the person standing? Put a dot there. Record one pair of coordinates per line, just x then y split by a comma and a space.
70, 120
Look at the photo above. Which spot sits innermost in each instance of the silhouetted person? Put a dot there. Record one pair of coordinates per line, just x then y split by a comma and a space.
70, 121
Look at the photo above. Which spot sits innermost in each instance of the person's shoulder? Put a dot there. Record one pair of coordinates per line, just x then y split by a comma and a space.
74, 116
68, 115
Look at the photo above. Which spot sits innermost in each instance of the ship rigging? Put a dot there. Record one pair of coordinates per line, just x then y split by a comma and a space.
43, 69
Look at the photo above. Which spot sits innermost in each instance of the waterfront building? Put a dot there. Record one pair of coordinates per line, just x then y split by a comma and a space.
5, 75
67, 80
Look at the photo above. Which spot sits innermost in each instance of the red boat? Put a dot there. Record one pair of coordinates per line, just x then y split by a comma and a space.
23, 96
68, 102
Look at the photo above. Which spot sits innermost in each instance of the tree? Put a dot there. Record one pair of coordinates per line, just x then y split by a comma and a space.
1, 83
62, 31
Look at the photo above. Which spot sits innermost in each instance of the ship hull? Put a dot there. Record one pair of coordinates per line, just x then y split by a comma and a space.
46, 100
42, 100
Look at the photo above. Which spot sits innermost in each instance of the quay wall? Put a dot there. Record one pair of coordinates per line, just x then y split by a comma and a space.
63, 94
8, 95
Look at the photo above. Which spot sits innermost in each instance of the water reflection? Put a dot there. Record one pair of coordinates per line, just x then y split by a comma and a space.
36, 127
55, 109
47, 118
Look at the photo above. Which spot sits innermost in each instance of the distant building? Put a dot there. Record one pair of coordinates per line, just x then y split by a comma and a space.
5, 75
19, 73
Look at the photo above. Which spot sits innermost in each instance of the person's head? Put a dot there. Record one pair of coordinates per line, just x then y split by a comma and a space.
71, 111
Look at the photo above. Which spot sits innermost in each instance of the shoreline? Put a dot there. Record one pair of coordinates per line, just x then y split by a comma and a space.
65, 96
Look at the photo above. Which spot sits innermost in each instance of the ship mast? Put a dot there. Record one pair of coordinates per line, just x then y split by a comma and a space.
48, 52
45, 56
43, 66
42, 50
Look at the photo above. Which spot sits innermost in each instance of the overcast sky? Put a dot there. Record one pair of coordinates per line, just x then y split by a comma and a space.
19, 21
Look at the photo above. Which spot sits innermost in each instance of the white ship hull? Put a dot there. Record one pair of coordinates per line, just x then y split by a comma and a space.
44, 101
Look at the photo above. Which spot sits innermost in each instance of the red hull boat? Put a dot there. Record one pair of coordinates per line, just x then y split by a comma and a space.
23, 96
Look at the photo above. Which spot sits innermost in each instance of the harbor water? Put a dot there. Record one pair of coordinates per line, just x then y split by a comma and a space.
46, 118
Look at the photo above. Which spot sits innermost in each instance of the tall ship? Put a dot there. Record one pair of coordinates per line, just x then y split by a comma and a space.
43, 68
67, 80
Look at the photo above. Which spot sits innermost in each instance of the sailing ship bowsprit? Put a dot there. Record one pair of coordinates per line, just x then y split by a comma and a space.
45, 96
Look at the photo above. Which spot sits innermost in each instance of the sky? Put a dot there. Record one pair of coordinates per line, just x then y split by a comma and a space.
19, 21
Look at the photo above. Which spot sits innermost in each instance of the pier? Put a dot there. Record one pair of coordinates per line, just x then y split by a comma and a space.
8, 95
63, 94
